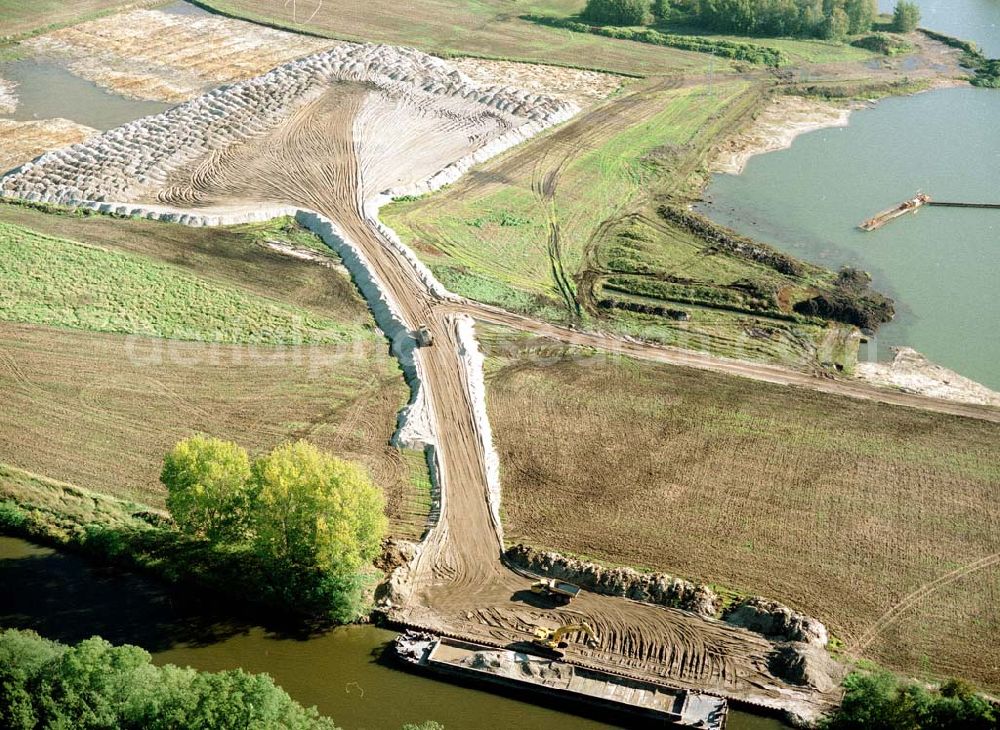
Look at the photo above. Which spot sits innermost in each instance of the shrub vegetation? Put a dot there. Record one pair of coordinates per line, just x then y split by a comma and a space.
97, 685
884, 43
881, 701
906, 16
617, 12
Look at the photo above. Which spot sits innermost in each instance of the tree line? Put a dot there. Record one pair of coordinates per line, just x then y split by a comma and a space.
879, 700
313, 522
829, 19
97, 686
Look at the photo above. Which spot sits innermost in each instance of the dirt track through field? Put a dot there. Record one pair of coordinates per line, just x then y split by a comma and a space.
458, 584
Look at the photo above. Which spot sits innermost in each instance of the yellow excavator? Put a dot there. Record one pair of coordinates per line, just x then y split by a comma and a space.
552, 641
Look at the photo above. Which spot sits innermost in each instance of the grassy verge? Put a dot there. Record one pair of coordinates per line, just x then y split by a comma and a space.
800, 496
20, 20
136, 537
737, 50
55, 281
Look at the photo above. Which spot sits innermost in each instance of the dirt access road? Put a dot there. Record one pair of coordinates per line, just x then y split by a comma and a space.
458, 583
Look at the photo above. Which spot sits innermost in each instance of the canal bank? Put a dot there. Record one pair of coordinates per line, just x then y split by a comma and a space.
346, 672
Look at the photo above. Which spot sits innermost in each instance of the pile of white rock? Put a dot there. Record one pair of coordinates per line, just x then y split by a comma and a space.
136, 158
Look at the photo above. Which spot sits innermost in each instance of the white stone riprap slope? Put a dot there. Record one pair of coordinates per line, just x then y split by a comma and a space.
134, 161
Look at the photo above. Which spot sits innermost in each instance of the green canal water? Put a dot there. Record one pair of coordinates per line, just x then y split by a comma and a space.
345, 672
941, 265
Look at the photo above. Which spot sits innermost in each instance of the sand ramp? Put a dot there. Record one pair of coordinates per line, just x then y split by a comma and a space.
448, 116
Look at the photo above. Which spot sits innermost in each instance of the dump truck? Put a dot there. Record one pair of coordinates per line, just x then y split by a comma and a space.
558, 590
423, 336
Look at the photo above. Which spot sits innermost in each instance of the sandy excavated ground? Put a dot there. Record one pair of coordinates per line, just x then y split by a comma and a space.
912, 372
566, 83
776, 127
437, 117
148, 54
27, 140
8, 99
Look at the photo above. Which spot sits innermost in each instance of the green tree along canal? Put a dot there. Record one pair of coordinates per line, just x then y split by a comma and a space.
343, 672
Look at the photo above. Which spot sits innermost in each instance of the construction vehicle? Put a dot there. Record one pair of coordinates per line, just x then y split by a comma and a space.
558, 590
552, 641
424, 337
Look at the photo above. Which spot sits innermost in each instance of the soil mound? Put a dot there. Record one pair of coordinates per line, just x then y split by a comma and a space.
658, 588
776, 621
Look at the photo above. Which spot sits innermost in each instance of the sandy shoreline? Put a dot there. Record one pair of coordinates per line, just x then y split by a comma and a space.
777, 126
912, 372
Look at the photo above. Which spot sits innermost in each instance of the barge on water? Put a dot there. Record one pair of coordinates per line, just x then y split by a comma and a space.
907, 206
638, 702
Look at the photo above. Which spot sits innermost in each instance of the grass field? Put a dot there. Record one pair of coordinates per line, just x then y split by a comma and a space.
18, 17
496, 225
64, 283
566, 227
99, 410
478, 27
840, 508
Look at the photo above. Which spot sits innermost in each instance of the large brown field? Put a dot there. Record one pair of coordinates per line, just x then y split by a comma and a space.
99, 410
490, 28
882, 521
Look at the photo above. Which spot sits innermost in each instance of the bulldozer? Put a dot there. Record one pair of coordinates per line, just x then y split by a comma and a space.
423, 336
552, 641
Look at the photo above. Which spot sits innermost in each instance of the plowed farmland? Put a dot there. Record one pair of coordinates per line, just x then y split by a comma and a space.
801, 496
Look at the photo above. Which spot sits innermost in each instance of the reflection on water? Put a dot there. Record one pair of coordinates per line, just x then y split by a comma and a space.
343, 672
46, 90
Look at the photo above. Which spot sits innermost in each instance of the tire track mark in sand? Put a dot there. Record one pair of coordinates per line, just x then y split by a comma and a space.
918, 596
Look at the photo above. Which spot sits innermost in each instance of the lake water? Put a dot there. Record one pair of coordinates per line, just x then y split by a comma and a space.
344, 672
46, 90
942, 266
974, 20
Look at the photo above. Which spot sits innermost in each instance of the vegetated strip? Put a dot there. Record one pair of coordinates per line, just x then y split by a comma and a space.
736, 50
49, 684
987, 70
54, 281
135, 537
116, 7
